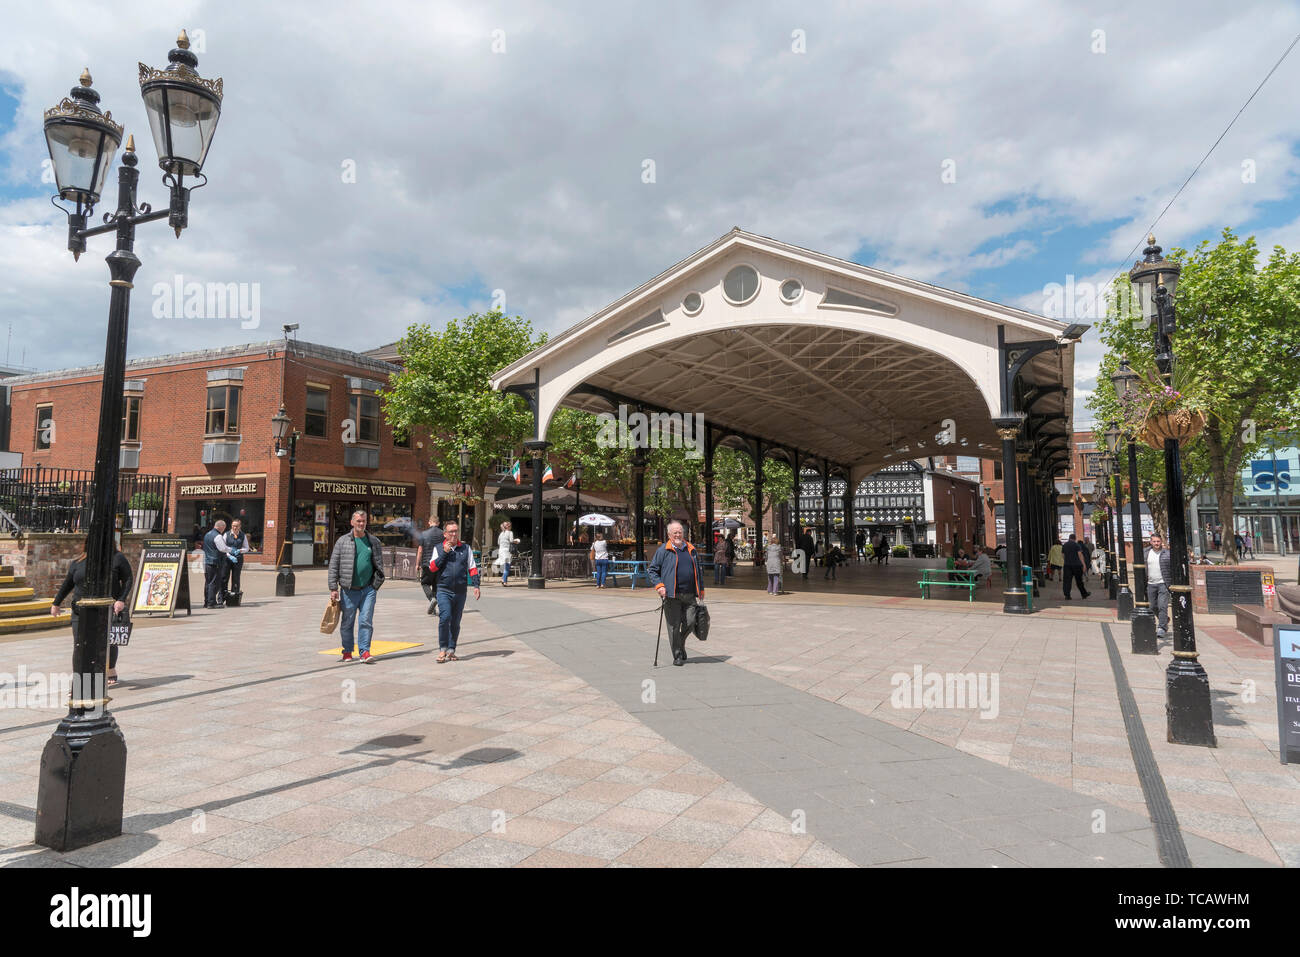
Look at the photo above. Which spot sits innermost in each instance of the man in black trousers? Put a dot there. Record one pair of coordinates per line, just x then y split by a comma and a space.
213, 572
1074, 555
431, 536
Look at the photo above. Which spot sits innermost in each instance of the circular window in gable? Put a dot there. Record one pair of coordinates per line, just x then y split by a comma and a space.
692, 303
740, 285
791, 290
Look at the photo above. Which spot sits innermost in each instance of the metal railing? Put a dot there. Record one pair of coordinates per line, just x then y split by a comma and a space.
43, 499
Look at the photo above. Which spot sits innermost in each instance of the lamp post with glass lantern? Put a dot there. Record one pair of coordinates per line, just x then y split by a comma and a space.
280, 428
1143, 627
465, 456
1109, 467
83, 767
577, 496
1124, 598
1187, 686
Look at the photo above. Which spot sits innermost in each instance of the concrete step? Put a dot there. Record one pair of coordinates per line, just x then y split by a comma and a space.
9, 626
10, 593
20, 609
9, 578
6, 569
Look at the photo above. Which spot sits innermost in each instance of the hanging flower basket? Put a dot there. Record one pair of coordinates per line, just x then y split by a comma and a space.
1178, 424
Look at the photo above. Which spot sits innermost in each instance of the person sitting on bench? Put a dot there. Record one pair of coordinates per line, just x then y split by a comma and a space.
980, 568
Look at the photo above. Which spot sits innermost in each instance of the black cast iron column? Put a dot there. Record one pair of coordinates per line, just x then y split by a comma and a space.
1143, 626
638, 483
83, 767
1014, 599
758, 500
798, 489
1124, 595
1117, 533
707, 476
537, 576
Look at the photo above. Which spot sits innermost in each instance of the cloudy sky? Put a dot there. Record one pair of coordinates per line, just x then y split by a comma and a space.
501, 147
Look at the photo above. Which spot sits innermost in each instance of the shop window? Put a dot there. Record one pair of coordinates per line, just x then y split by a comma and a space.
316, 424
401, 439
44, 426
364, 411
223, 410
131, 418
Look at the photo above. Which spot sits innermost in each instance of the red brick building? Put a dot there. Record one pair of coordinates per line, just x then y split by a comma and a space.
205, 419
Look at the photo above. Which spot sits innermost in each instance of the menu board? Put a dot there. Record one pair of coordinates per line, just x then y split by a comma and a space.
163, 579
1286, 655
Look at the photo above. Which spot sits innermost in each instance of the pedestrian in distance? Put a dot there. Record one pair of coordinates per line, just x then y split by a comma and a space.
1072, 563
860, 544
1250, 544
505, 551
428, 538
600, 557
773, 562
453, 560
720, 561
356, 573
834, 558
1056, 560
980, 567
807, 545
213, 560
674, 573
237, 545
1087, 559
1159, 574
74, 584
882, 549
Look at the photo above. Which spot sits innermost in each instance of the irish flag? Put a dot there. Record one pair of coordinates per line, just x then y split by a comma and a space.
514, 473
548, 475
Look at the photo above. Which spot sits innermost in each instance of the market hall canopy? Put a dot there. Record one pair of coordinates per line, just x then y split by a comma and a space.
810, 355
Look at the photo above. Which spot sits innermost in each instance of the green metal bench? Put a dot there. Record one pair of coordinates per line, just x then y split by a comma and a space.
949, 578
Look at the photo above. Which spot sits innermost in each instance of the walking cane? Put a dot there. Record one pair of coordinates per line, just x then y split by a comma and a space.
661, 631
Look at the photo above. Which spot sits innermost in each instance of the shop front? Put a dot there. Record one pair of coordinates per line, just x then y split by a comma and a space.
323, 507
201, 501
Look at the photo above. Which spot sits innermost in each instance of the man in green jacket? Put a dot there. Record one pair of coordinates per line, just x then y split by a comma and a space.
355, 575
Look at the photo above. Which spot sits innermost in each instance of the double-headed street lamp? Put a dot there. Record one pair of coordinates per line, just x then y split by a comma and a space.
1187, 686
1143, 627
280, 428
465, 456
1124, 597
83, 767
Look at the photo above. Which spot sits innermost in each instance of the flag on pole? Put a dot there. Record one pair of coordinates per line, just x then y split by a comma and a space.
548, 475
514, 473
572, 479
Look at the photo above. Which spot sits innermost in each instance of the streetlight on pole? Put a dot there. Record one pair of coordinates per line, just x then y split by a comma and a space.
1143, 628
1187, 686
577, 494
1124, 598
465, 455
83, 767
280, 428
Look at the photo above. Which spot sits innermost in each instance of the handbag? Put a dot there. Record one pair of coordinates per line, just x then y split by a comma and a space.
330, 620
119, 630
697, 620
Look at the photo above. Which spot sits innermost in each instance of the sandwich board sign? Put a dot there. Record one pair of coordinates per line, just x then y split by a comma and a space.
163, 579
1286, 655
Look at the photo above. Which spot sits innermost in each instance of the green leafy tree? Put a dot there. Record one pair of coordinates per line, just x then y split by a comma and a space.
1237, 349
733, 482
445, 387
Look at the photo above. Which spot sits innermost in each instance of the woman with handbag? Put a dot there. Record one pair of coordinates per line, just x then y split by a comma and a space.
599, 554
74, 583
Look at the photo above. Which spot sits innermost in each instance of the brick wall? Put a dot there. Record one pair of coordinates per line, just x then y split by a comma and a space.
43, 558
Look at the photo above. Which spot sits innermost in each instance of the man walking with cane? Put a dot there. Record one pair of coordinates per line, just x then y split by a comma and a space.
675, 574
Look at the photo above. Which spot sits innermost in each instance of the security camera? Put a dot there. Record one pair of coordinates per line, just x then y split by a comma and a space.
290, 327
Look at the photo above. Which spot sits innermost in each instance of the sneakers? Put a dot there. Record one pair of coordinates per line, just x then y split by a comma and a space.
347, 656
1162, 633
433, 606
365, 656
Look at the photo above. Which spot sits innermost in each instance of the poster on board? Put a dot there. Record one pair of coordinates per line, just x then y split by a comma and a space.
162, 580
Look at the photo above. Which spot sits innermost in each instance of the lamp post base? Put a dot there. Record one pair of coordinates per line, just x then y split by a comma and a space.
1144, 633
1124, 604
1015, 603
284, 582
536, 581
1187, 704
1112, 589
82, 783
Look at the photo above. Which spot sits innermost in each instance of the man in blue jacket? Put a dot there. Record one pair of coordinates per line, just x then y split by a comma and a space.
213, 557
453, 563
675, 574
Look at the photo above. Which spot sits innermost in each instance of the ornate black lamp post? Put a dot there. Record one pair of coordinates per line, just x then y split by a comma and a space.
1143, 622
1124, 597
280, 428
465, 455
577, 496
1187, 686
83, 766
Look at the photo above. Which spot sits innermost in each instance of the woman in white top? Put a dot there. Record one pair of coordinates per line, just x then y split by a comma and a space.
504, 542
600, 554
